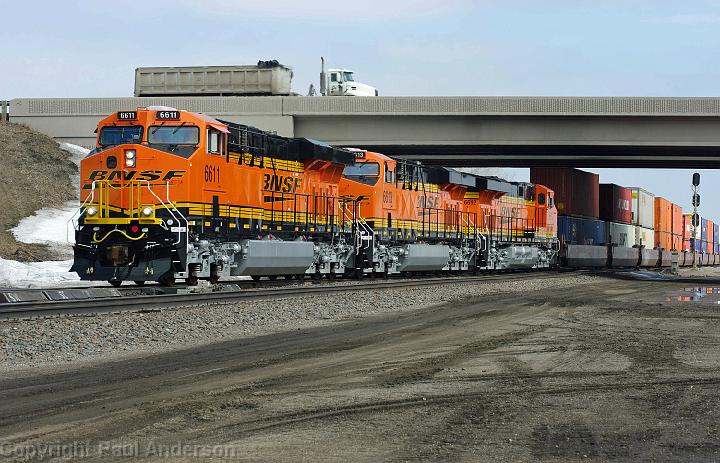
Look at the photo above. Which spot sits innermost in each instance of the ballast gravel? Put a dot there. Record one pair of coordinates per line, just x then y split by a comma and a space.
52, 342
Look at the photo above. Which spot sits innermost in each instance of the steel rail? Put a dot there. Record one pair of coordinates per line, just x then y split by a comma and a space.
145, 303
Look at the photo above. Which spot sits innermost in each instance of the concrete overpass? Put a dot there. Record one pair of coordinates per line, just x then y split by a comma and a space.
457, 131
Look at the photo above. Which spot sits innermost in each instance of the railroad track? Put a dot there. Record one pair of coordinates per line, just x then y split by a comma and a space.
146, 303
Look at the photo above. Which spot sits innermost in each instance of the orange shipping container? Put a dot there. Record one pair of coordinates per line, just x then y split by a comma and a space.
663, 215
677, 227
709, 243
664, 240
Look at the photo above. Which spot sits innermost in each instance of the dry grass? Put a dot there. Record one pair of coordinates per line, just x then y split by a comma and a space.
34, 173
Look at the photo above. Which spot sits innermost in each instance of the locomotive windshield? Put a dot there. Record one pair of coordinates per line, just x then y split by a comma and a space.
174, 135
363, 172
119, 135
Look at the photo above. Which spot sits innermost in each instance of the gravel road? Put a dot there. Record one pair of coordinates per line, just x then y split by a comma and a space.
604, 370
49, 342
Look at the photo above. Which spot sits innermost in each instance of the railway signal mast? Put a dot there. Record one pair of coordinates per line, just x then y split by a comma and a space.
695, 216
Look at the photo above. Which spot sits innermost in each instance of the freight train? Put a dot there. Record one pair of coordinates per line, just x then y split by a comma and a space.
168, 194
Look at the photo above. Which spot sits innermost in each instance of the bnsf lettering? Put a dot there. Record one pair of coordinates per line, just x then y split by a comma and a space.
510, 212
149, 175
284, 184
429, 201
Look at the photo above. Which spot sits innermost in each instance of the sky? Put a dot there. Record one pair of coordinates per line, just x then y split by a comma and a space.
403, 47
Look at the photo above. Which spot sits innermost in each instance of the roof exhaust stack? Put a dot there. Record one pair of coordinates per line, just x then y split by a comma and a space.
323, 82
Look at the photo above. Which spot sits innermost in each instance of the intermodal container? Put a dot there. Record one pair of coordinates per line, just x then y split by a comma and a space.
578, 230
703, 229
677, 227
642, 208
665, 241
620, 234
710, 235
716, 235
688, 227
576, 191
663, 215
615, 203
644, 237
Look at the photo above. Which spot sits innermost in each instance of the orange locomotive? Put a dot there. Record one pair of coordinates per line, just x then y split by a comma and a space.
169, 194
435, 218
520, 220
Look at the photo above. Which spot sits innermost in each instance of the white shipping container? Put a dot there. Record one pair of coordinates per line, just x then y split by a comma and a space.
687, 220
645, 237
643, 208
620, 234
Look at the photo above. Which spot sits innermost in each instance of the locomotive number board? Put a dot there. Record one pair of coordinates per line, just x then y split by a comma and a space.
127, 115
167, 115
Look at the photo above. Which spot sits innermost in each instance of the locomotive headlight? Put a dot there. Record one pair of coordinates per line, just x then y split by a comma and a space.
147, 211
91, 211
130, 158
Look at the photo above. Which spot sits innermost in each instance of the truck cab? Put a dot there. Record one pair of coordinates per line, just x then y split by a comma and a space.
341, 82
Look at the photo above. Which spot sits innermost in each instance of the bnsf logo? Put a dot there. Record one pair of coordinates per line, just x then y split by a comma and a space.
135, 175
428, 201
284, 184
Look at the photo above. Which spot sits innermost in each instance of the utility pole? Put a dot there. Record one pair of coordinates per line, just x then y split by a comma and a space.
695, 216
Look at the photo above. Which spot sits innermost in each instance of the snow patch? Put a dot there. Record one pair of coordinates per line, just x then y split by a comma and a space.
38, 274
47, 226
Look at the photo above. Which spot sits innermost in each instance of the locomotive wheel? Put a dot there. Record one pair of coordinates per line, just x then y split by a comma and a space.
214, 277
272, 277
167, 280
255, 277
192, 280
115, 283
140, 282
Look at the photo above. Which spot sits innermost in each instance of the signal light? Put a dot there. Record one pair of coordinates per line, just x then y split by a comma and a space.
134, 228
696, 179
147, 211
91, 211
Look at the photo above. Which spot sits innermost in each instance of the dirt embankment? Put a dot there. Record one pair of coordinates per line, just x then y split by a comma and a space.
34, 173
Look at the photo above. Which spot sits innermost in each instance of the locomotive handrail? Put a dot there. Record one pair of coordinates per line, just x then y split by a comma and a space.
187, 224
75, 225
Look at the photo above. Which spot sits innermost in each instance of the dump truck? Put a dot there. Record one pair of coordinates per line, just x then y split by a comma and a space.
266, 78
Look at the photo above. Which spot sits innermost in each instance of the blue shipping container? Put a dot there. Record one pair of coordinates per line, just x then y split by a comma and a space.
703, 230
576, 230
716, 235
